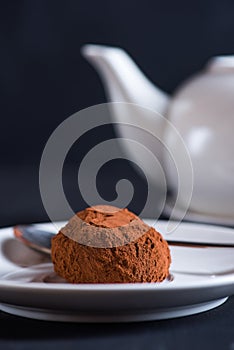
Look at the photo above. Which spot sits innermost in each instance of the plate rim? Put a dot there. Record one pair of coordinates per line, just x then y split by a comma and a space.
163, 295
209, 282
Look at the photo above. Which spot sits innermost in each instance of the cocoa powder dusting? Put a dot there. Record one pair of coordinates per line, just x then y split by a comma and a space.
146, 258
106, 216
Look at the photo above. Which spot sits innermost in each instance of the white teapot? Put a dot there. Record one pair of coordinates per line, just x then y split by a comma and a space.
201, 110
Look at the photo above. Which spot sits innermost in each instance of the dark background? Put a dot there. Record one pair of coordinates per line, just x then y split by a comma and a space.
44, 79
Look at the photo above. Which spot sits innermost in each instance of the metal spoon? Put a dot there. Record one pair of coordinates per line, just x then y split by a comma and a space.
32, 237
40, 240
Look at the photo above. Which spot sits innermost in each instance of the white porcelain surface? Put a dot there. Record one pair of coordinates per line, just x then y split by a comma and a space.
202, 110
198, 217
201, 278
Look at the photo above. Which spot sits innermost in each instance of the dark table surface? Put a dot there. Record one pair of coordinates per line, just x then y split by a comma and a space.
209, 330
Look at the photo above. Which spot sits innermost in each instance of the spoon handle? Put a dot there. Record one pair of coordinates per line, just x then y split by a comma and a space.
199, 244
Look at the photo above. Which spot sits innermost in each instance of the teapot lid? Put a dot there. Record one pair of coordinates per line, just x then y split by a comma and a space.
224, 63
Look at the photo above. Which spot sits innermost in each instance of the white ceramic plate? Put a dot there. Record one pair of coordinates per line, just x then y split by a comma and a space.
201, 279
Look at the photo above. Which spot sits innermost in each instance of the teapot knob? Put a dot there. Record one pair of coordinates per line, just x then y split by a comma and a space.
221, 64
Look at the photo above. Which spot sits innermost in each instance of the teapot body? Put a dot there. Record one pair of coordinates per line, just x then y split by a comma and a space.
196, 123
202, 110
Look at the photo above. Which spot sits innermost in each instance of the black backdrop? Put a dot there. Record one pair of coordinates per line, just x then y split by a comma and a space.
44, 79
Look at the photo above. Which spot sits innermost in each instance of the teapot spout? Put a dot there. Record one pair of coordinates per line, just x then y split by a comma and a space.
123, 81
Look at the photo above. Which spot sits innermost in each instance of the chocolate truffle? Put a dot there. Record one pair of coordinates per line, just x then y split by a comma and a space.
104, 244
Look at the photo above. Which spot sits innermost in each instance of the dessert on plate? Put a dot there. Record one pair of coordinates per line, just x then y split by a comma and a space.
105, 244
